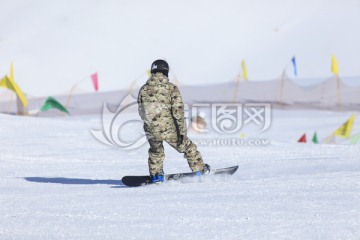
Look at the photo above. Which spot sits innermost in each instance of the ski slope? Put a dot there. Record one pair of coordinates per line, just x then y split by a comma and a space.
58, 182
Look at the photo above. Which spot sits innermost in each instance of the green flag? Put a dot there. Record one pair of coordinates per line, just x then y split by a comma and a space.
53, 103
355, 139
315, 138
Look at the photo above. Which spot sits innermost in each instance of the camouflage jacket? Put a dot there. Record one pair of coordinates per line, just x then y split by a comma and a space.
161, 108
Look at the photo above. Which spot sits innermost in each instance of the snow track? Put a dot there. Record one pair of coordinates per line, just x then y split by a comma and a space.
57, 182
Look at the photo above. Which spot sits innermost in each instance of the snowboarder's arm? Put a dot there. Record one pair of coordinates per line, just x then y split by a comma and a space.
177, 109
141, 105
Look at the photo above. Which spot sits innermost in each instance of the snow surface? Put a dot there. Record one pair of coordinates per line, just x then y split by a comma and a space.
58, 182
54, 44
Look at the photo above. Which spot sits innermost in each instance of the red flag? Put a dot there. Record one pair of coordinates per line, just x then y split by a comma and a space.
302, 139
94, 78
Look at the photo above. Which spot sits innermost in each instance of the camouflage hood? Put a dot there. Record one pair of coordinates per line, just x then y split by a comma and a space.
157, 78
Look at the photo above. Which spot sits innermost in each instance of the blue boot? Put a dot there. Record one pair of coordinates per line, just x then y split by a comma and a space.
157, 178
206, 170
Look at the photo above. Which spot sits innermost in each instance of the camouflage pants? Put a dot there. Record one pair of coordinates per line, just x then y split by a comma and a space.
157, 155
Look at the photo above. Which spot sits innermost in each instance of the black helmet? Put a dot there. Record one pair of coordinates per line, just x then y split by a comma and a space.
160, 66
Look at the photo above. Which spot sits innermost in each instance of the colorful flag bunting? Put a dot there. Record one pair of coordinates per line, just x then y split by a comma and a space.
302, 139
330, 139
344, 130
355, 139
293, 60
315, 138
10, 84
53, 103
334, 65
94, 78
243, 66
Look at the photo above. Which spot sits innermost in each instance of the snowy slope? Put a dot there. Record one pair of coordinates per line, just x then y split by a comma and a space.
58, 182
54, 44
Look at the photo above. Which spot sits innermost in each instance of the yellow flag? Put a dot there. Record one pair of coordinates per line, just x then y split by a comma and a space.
12, 72
6, 82
243, 66
344, 130
149, 73
334, 65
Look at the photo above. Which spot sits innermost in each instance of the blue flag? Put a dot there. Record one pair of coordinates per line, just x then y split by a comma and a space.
293, 60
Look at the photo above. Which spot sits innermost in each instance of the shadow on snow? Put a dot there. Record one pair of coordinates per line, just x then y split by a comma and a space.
78, 181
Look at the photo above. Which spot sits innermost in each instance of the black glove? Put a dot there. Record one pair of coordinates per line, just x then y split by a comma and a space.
180, 140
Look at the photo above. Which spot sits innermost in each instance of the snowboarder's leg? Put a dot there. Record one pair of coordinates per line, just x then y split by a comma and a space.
191, 153
193, 156
156, 157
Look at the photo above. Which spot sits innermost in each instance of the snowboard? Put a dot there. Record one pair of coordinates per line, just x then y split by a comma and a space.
137, 181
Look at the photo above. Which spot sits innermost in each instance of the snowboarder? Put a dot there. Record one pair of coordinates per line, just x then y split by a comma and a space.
162, 110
